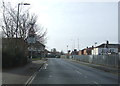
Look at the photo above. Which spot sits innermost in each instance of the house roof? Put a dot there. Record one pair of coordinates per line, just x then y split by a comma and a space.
90, 48
38, 43
108, 46
47, 51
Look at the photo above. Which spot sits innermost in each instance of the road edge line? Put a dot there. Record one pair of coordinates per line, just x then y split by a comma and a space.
33, 75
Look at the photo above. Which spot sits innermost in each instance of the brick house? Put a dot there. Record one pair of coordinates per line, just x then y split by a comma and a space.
86, 51
37, 49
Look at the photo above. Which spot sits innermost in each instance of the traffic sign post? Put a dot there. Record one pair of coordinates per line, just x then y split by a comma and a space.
31, 38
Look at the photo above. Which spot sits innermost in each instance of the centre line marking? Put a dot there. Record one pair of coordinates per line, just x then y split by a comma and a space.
95, 82
78, 72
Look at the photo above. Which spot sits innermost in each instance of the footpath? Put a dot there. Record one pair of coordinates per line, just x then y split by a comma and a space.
21, 75
100, 67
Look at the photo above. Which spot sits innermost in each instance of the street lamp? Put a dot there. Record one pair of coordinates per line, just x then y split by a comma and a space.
18, 14
67, 48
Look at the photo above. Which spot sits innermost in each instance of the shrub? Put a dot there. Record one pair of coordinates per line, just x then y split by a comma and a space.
14, 53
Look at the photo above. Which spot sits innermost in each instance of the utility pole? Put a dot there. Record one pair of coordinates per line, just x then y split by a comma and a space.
18, 15
78, 44
74, 44
67, 48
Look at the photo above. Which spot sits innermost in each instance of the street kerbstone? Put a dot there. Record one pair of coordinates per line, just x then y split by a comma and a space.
21, 74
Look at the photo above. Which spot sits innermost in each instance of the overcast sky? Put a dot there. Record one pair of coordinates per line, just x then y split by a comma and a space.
69, 20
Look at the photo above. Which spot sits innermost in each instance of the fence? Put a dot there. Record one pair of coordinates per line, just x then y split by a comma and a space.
106, 60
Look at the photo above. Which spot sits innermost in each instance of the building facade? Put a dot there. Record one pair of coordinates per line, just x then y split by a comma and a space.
37, 49
105, 49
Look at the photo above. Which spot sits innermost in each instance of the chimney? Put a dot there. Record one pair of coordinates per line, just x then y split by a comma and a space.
92, 47
107, 42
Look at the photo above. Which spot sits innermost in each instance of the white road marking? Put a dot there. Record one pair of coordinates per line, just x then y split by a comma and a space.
31, 79
78, 72
95, 82
45, 67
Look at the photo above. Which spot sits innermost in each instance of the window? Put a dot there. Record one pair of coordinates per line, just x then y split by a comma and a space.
111, 50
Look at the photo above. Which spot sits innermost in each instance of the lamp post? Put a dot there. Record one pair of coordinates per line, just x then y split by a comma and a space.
67, 48
18, 14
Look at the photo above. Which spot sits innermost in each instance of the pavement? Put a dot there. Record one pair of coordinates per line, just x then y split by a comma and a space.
58, 71
62, 71
100, 67
21, 75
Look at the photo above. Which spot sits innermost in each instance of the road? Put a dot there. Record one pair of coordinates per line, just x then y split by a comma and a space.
61, 71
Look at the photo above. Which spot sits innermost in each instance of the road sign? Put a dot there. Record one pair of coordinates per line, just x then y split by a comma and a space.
31, 40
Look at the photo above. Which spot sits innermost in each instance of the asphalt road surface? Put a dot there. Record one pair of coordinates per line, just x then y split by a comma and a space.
61, 71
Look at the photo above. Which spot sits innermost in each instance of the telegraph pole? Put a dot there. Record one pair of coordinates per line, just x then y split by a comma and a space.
67, 51
78, 44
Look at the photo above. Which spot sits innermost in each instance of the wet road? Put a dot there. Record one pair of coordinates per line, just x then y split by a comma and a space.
61, 71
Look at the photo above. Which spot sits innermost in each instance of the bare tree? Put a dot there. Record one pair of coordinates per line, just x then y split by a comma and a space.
10, 28
41, 35
10, 22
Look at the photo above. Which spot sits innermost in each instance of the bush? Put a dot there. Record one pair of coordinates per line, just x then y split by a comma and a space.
13, 53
